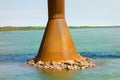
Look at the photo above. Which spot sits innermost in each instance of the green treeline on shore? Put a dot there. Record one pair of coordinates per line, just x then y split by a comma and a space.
12, 28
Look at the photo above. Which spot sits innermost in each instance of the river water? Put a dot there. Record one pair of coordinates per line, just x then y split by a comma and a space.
100, 44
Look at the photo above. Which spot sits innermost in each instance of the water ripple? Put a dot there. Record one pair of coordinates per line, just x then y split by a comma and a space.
15, 57
103, 54
25, 57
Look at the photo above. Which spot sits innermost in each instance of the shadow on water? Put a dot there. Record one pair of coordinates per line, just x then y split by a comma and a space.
57, 75
25, 57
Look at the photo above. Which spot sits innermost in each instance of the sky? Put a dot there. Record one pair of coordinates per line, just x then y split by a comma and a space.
78, 12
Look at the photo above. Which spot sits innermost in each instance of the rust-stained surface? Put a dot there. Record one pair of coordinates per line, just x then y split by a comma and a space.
56, 9
57, 44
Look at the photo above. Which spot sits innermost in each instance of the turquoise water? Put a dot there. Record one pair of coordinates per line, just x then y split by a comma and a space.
100, 44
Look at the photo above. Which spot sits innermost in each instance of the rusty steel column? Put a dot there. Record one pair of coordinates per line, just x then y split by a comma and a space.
57, 44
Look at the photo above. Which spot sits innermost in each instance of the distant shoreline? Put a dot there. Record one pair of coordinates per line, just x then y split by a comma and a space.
12, 28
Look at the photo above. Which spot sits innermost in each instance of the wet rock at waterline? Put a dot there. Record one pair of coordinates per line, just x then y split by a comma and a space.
64, 65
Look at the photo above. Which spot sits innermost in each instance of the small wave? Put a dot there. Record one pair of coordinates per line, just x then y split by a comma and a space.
15, 57
25, 57
103, 54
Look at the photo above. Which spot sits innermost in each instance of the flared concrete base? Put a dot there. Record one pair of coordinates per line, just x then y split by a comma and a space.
57, 50
57, 44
